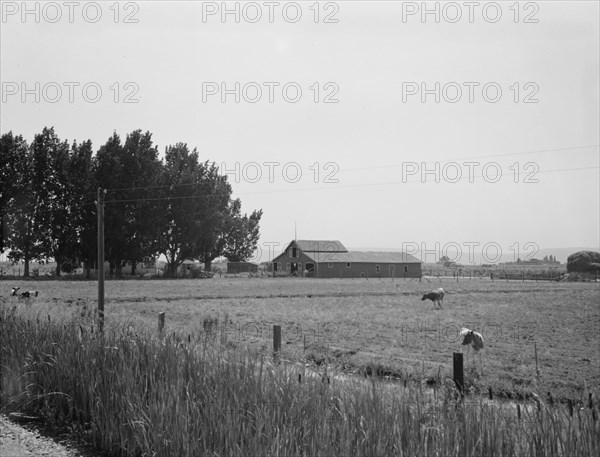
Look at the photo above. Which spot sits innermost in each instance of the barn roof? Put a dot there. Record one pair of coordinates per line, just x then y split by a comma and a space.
324, 251
321, 246
373, 257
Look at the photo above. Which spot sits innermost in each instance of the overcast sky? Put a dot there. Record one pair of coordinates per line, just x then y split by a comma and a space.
341, 107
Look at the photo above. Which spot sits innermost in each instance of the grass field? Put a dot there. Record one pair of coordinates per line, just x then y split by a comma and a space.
364, 325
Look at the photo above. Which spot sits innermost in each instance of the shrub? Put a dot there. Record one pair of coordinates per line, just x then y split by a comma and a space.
583, 261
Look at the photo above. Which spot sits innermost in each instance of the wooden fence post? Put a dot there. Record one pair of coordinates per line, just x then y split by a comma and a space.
537, 371
459, 379
161, 322
276, 340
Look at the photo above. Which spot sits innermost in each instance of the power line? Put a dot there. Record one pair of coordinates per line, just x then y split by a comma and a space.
164, 186
337, 186
539, 151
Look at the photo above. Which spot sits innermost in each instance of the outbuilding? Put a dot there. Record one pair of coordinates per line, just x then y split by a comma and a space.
241, 267
331, 259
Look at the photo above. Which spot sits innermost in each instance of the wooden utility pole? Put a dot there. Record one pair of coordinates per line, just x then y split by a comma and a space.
100, 206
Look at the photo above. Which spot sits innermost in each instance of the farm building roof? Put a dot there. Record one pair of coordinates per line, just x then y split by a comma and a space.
321, 246
323, 251
362, 257
374, 257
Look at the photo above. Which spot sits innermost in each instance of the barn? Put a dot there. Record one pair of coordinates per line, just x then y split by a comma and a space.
241, 267
331, 259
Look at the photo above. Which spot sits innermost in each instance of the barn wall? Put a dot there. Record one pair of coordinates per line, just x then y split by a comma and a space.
241, 267
369, 269
285, 258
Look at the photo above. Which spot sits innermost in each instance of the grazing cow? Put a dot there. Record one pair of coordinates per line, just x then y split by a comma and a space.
29, 294
436, 296
473, 339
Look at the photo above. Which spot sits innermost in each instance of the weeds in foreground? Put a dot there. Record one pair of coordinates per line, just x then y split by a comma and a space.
139, 395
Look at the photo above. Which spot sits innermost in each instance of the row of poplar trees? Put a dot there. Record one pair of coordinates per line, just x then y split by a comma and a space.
177, 206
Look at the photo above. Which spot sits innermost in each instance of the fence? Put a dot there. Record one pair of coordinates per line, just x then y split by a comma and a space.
458, 375
48, 270
512, 274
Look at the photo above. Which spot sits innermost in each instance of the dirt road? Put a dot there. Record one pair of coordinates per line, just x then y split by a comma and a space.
16, 441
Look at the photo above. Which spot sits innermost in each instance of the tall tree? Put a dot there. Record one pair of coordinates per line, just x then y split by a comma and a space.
80, 171
242, 233
18, 201
181, 209
54, 192
108, 176
130, 173
143, 167
216, 194
13, 162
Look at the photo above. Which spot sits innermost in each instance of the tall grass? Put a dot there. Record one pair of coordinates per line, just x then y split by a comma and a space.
139, 395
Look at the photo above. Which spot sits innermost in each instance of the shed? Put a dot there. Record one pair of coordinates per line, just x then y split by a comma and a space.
241, 267
331, 259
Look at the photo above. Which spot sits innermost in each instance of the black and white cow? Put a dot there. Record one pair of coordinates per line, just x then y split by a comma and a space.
436, 296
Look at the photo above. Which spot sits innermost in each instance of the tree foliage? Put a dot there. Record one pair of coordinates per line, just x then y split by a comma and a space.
186, 186
180, 207
242, 233
55, 198
13, 182
583, 261
18, 201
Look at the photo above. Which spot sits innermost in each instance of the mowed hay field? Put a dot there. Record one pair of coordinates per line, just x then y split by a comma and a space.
363, 325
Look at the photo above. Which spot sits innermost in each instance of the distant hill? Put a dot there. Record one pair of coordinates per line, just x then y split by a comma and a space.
561, 254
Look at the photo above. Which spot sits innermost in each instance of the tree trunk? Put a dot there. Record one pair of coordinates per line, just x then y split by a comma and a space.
119, 270
207, 265
111, 267
57, 269
26, 268
133, 266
